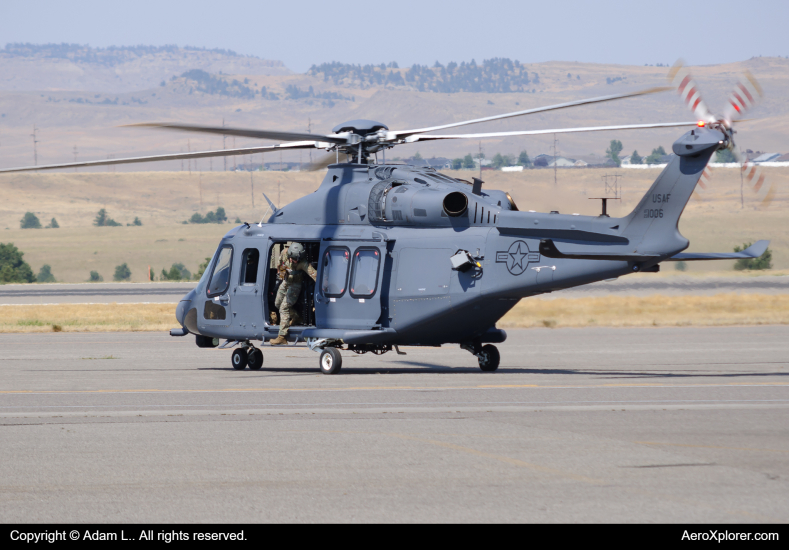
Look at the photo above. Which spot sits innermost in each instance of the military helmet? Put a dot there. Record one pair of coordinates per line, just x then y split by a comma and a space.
295, 251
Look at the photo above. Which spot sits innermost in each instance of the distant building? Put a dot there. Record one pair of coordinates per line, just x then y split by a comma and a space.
512, 168
767, 157
782, 158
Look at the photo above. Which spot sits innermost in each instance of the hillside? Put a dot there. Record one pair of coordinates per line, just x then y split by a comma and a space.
72, 67
247, 94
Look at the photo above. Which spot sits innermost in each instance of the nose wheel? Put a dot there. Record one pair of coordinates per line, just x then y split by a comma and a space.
247, 357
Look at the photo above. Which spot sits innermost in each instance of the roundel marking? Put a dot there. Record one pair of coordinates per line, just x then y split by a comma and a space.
517, 257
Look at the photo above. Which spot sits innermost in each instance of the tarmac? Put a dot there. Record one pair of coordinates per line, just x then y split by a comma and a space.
577, 425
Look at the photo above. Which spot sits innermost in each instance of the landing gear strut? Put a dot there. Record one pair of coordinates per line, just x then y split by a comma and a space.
487, 355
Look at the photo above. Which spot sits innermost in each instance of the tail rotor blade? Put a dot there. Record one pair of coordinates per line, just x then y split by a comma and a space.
679, 76
756, 180
744, 96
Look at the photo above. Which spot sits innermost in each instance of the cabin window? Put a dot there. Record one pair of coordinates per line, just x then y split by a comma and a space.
220, 277
365, 272
249, 266
334, 275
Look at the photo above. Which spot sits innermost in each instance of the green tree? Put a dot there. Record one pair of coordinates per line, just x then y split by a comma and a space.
221, 217
468, 162
197, 217
136, 221
681, 266
95, 277
614, 148
45, 274
13, 269
765, 261
724, 155
657, 154
497, 161
635, 158
524, 160
29, 221
417, 156
457, 164
177, 272
53, 224
201, 269
210, 218
122, 272
103, 220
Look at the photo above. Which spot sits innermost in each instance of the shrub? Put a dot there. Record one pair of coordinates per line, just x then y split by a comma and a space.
201, 269
29, 221
13, 269
95, 277
45, 274
178, 272
103, 220
53, 224
765, 261
212, 217
137, 221
122, 272
681, 266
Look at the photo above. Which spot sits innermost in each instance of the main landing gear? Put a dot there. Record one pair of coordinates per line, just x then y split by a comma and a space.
248, 356
488, 355
330, 361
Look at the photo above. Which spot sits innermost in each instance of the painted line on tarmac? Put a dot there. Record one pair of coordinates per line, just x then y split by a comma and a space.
406, 404
398, 388
659, 444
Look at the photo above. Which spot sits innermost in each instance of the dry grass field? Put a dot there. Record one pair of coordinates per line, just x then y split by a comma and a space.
162, 200
609, 311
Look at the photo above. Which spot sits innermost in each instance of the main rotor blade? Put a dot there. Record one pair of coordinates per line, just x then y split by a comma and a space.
320, 163
412, 139
176, 156
601, 99
240, 132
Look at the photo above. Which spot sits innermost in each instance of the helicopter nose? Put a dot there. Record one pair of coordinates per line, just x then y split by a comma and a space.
183, 306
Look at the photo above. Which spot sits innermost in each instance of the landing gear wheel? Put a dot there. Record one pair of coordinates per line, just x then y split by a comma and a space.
489, 358
331, 361
239, 359
255, 359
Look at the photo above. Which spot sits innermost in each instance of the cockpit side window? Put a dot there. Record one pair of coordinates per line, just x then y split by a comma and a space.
220, 277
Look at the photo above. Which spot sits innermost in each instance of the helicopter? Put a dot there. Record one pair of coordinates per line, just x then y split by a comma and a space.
407, 256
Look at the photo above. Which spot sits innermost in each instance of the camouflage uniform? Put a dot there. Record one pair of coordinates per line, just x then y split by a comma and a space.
292, 275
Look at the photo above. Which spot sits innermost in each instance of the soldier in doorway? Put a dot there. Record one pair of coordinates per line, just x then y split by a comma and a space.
293, 265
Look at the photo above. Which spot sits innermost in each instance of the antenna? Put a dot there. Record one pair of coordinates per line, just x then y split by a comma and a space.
224, 137
35, 146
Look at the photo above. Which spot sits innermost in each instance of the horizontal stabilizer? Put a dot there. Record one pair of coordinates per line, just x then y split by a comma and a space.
753, 251
549, 250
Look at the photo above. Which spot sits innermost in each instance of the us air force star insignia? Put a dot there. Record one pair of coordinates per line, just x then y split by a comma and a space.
517, 257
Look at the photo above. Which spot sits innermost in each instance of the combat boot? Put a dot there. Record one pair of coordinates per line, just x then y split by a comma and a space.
279, 341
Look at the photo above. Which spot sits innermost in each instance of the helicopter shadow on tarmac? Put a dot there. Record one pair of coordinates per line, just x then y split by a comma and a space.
419, 367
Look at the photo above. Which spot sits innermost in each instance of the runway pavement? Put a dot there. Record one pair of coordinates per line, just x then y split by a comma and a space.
105, 293
578, 425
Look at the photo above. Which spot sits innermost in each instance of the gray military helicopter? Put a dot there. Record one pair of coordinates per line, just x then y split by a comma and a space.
407, 256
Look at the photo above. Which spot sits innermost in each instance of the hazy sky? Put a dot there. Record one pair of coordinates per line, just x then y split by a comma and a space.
304, 32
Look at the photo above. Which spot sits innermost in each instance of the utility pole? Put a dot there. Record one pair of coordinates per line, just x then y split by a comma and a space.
252, 189
555, 141
480, 160
35, 146
200, 189
75, 156
742, 169
235, 166
223, 144
309, 131
182, 160
189, 161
